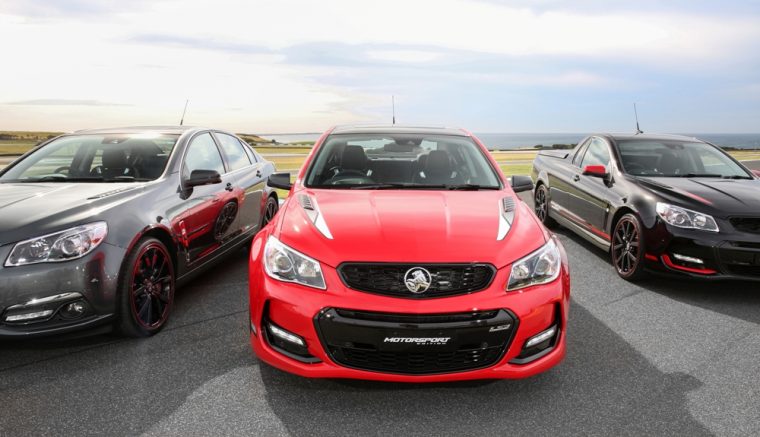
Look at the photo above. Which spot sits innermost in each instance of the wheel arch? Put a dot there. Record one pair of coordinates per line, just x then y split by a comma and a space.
162, 234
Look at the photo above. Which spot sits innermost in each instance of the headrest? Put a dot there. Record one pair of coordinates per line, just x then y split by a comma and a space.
354, 158
114, 158
438, 164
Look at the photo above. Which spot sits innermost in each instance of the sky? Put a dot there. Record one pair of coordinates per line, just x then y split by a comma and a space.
255, 66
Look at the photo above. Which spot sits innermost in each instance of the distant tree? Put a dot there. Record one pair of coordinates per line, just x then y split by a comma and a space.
538, 146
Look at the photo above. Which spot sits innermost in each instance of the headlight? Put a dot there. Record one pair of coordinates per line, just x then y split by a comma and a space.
285, 264
61, 246
686, 218
539, 267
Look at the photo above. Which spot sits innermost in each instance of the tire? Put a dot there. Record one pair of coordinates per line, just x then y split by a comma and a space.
270, 209
541, 206
627, 248
146, 289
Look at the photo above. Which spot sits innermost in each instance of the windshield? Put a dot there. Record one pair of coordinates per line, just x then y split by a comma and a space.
677, 159
96, 158
396, 161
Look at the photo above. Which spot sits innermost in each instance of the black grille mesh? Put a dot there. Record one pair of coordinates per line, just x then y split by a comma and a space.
418, 362
388, 279
746, 224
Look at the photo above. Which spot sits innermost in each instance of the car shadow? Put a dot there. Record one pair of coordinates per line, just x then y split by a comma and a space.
740, 299
603, 387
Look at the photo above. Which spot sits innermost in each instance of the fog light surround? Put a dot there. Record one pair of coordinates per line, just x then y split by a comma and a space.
688, 259
27, 317
73, 310
541, 337
286, 335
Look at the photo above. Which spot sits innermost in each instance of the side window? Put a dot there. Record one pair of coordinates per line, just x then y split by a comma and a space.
248, 151
579, 154
597, 154
202, 154
236, 156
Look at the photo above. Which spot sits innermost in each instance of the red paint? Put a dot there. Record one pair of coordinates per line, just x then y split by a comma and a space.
700, 271
411, 226
651, 257
695, 197
595, 170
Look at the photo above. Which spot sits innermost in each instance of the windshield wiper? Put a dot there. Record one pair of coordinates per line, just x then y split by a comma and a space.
375, 186
60, 178
736, 176
695, 175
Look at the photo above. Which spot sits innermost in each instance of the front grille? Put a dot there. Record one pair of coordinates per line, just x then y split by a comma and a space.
746, 224
388, 278
419, 362
740, 258
440, 343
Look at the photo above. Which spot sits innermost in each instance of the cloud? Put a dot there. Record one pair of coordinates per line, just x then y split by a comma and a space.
64, 102
198, 43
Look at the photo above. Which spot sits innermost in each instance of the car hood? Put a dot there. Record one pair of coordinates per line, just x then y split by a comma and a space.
28, 210
410, 226
721, 197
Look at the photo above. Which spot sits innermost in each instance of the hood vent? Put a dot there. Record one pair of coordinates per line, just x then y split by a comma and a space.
506, 216
309, 205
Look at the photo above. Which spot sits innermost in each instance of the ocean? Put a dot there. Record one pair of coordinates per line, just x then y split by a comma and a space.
507, 141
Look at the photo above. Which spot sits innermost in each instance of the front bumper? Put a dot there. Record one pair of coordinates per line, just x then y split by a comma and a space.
33, 298
723, 255
358, 348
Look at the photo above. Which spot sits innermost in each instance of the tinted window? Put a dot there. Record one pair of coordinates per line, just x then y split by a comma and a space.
202, 154
670, 158
97, 158
579, 153
597, 154
401, 161
251, 154
236, 156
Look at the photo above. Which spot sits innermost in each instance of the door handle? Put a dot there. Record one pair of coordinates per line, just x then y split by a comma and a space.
576, 178
229, 186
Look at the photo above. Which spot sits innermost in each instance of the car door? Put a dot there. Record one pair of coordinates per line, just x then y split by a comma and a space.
203, 214
249, 178
561, 182
587, 200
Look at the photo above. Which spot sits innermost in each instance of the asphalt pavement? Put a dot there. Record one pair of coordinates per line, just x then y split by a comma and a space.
664, 357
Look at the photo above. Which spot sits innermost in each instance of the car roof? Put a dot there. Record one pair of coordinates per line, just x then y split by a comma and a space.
642, 136
143, 129
397, 129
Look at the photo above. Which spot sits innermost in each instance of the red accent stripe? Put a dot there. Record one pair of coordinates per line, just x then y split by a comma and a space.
666, 259
651, 257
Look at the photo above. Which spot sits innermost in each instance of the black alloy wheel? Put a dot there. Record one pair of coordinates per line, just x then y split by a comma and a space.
627, 249
541, 205
270, 210
146, 289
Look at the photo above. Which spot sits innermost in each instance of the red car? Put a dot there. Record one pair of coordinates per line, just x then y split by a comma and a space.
403, 254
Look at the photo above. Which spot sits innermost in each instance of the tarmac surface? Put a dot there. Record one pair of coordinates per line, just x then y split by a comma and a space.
661, 357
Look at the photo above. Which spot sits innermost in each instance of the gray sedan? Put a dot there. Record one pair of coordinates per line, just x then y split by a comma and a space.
99, 227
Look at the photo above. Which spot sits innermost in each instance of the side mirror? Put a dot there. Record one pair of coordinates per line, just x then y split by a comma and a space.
279, 180
597, 171
203, 177
521, 183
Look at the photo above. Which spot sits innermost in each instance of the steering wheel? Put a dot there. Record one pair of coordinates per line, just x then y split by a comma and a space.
350, 179
635, 168
97, 170
63, 169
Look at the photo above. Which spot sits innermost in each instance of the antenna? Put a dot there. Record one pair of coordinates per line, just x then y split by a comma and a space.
393, 104
182, 120
636, 113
